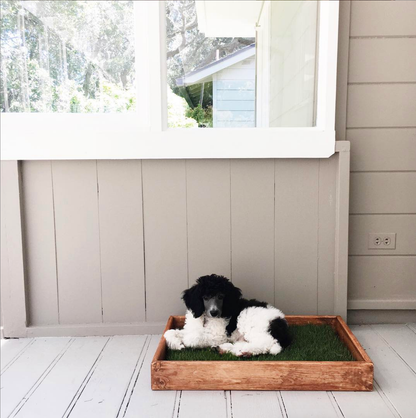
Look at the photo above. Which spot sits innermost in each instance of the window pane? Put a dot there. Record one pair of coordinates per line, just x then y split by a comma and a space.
292, 63
241, 64
67, 56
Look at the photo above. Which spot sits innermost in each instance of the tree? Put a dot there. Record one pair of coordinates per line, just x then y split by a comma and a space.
63, 56
188, 49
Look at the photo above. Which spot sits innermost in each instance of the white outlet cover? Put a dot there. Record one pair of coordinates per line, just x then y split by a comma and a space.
374, 237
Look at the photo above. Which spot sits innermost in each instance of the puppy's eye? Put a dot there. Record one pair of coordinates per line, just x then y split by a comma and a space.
205, 297
220, 297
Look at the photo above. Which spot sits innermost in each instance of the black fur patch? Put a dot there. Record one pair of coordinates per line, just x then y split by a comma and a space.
242, 304
279, 330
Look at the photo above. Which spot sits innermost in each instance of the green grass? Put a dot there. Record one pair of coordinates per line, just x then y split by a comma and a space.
310, 343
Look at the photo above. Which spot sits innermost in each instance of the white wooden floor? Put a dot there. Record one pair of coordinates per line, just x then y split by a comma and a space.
110, 377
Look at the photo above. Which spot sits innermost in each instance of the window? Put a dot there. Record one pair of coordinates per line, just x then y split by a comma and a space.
67, 57
222, 72
138, 79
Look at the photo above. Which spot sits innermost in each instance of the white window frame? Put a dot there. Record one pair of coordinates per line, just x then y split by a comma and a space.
56, 136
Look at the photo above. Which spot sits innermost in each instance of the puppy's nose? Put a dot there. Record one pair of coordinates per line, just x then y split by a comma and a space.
214, 312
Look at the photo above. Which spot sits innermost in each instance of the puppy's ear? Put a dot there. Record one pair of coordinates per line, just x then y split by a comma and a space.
231, 299
193, 300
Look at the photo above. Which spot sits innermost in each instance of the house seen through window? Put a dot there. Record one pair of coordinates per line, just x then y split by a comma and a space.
241, 64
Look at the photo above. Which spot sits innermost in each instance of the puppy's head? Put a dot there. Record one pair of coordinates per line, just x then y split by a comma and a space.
213, 295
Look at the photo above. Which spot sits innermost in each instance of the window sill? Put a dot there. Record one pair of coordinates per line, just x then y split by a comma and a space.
47, 137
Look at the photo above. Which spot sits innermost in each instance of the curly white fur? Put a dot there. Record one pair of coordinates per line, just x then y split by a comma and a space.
198, 333
251, 336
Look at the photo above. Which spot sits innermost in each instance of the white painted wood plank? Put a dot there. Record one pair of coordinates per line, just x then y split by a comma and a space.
395, 378
326, 236
236, 105
382, 60
39, 232
11, 349
310, 404
412, 326
108, 384
383, 193
209, 218
204, 404
401, 339
383, 18
382, 149
296, 249
256, 404
77, 241
364, 404
53, 395
13, 288
164, 195
252, 227
402, 225
121, 240
381, 105
239, 115
18, 379
142, 401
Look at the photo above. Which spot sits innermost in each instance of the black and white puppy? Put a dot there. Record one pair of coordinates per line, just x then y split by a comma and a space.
218, 316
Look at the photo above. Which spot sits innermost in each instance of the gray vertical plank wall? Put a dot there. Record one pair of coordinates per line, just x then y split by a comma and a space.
116, 242
165, 232
381, 126
121, 240
208, 217
77, 241
252, 226
39, 232
296, 239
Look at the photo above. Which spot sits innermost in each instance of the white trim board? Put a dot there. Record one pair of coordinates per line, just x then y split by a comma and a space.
86, 330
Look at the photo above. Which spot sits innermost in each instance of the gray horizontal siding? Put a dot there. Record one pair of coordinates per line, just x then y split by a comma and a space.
381, 126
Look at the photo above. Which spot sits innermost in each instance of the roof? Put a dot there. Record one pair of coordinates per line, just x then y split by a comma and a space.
204, 73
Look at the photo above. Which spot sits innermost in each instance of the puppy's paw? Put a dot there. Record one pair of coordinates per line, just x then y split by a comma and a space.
225, 348
275, 349
237, 352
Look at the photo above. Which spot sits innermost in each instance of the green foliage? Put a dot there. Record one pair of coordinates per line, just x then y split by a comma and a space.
203, 116
310, 343
176, 112
67, 56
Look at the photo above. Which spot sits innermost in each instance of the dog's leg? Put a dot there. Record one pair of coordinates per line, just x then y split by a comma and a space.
173, 339
262, 344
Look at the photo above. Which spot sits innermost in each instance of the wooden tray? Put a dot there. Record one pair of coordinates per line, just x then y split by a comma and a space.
267, 375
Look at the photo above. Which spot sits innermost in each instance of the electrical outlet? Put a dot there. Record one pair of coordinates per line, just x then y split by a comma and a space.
382, 241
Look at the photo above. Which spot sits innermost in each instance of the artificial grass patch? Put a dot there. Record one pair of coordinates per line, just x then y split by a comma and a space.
310, 343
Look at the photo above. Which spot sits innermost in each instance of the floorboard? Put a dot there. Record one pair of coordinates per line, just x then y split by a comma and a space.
11, 349
299, 404
104, 393
203, 404
109, 377
394, 377
402, 340
364, 404
52, 395
32, 365
256, 404
142, 401
412, 326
